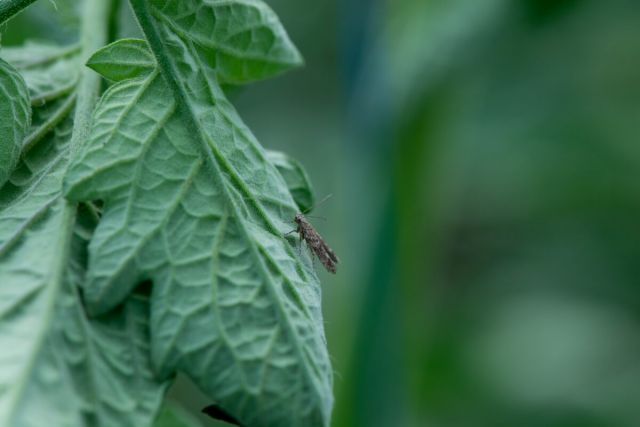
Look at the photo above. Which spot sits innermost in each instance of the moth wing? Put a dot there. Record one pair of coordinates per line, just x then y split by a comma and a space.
332, 255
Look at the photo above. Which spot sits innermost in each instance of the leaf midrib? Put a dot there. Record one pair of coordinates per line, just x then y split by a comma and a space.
237, 180
41, 99
64, 53
148, 26
93, 35
50, 293
48, 125
226, 49
61, 53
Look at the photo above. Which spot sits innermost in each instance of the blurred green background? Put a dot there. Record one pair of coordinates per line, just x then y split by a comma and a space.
484, 158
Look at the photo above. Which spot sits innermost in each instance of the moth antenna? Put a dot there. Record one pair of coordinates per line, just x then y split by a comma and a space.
327, 197
316, 217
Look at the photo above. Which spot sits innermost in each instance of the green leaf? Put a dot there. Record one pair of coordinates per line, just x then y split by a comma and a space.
193, 203
45, 336
50, 71
131, 58
173, 415
15, 117
59, 367
123, 59
9, 8
296, 178
242, 40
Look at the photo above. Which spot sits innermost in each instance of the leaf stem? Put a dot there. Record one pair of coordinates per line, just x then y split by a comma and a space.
265, 264
94, 31
93, 35
8, 8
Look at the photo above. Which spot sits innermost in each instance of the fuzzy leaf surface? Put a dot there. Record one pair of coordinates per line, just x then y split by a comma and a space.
242, 40
50, 71
173, 415
58, 367
193, 204
296, 178
123, 59
15, 117
131, 58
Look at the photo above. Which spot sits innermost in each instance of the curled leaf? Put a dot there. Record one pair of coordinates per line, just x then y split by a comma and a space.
15, 118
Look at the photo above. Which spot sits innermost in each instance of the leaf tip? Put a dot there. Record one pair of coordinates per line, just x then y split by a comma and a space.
123, 59
298, 60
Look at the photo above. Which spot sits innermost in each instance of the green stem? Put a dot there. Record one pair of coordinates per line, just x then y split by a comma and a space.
94, 32
265, 264
93, 35
114, 20
8, 8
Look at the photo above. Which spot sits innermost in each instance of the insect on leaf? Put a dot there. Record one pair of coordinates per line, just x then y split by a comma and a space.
193, 204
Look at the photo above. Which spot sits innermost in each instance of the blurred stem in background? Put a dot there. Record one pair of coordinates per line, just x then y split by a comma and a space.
376, 356
504, 272
392, 122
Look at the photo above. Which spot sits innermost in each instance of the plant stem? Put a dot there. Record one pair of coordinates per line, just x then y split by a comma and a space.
93, 35
8, 8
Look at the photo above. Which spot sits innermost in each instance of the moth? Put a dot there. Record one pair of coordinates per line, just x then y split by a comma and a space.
316, 243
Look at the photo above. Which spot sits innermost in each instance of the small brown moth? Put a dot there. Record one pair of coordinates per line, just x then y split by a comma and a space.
315, 242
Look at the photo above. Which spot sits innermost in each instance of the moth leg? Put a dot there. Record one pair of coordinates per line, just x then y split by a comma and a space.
292, 231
